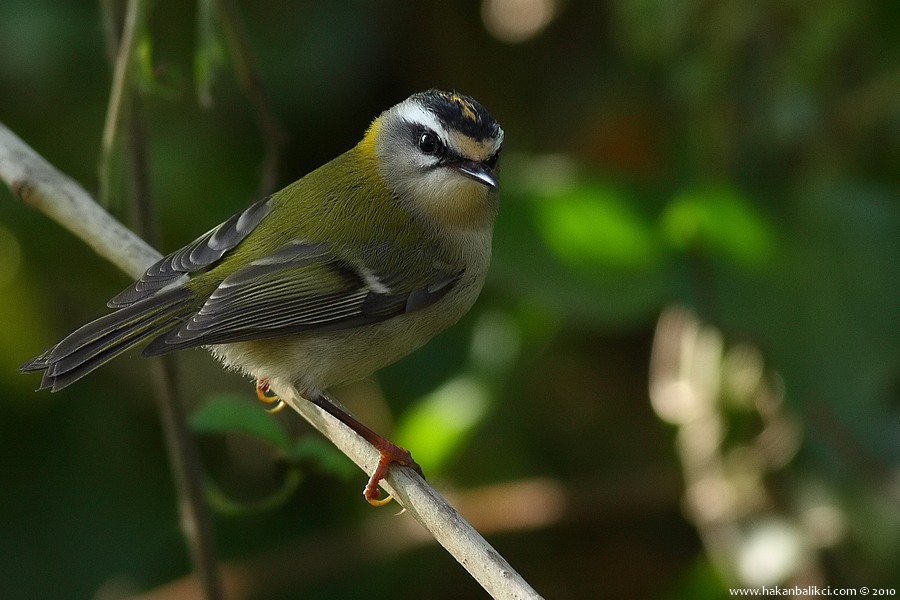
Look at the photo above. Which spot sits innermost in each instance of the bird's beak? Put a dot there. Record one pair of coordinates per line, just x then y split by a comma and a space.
478, 171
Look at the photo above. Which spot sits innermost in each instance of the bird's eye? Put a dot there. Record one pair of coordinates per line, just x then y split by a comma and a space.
429, 143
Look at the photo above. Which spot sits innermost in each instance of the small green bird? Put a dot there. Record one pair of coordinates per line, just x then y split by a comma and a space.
341, 273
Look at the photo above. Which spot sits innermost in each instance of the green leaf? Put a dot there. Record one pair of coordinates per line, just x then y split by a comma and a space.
577, 282
590, 223
165, 83
721, 221
227, 413
437, 427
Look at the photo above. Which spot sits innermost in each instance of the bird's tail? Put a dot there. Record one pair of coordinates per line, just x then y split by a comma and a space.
99, 341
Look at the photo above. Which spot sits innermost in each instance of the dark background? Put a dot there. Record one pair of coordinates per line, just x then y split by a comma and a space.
739, 158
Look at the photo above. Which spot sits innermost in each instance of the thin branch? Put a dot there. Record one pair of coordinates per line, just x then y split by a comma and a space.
184, 457
426, 505
119, 95
40, 185
247, 74
188, 475
112, 18
142, 215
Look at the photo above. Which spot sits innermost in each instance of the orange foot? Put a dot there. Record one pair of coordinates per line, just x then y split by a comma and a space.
390, 453
267, 396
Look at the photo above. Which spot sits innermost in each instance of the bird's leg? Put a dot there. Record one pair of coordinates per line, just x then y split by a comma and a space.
267, 396
390, 453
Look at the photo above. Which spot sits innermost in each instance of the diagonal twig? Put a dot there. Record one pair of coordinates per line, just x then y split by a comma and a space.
120, 93
247, 73
181, 447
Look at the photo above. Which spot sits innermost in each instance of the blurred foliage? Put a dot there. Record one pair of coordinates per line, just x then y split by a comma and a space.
736, 157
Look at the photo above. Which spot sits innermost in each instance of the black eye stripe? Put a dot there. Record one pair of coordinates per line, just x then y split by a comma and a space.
430, 143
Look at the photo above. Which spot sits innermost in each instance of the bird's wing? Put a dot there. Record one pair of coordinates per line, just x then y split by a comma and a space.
306, 286
200, 254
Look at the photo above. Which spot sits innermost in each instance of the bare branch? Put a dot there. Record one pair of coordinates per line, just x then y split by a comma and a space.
247, 74
181, 447
40, 185
187, 472
427, 506
221, 36
119, 95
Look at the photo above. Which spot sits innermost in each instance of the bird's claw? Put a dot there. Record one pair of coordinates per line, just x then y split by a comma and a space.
390, 453
265, 395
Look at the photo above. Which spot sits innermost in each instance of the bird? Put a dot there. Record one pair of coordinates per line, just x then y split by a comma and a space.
344, 271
